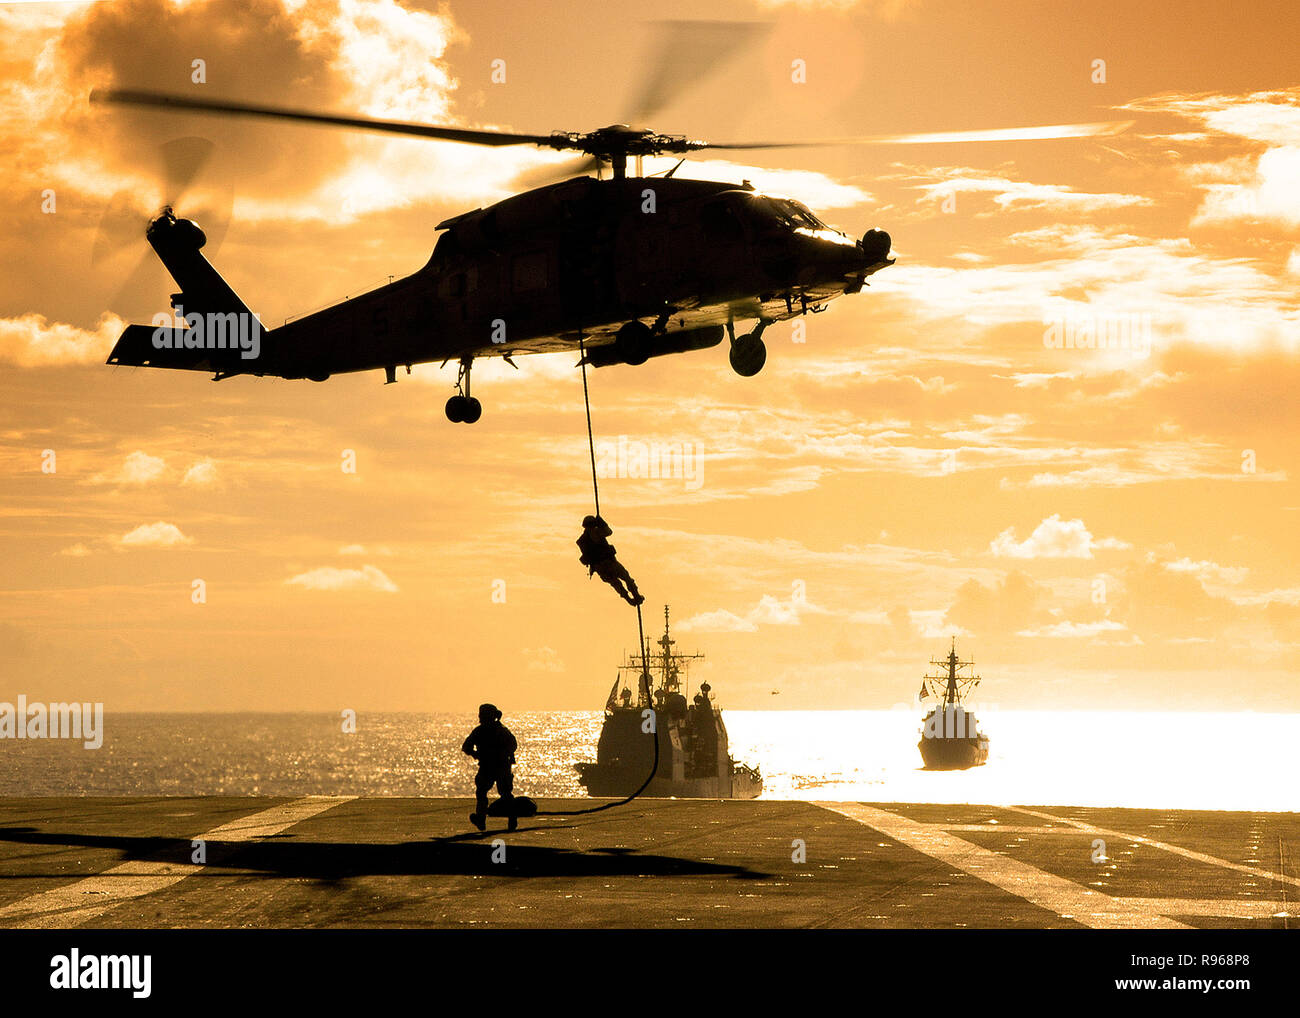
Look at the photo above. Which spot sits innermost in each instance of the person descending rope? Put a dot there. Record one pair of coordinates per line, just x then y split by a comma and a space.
599, 556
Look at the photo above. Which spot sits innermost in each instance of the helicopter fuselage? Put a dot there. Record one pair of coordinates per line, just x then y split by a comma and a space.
671, 263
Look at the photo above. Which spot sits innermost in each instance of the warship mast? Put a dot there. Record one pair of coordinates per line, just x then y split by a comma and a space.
953, 684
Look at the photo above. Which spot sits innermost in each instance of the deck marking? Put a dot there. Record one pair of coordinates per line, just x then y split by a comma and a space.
1038, 887
67, 906
1142, 839
1225, 908
1003, 829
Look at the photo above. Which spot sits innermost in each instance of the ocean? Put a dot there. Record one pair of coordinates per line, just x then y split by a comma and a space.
1228, 761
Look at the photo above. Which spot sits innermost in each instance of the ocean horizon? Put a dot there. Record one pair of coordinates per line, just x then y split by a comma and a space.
1154, 760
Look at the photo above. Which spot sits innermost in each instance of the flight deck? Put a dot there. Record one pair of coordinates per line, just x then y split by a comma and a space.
317, 862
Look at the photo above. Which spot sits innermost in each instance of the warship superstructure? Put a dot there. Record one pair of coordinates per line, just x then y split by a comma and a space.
694, 757
950, 734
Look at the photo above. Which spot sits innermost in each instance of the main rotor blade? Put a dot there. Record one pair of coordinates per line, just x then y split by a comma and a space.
468, 136
1094, 130
686, 52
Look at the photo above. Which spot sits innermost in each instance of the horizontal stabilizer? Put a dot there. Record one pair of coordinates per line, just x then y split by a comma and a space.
149, 347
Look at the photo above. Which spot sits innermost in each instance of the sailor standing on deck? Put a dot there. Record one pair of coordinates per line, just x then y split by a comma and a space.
493, 746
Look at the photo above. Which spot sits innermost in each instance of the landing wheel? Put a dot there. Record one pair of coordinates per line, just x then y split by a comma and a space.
748, 355
633, 343
463, 408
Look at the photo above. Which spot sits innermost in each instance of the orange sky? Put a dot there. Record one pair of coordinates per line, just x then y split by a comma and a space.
923, 464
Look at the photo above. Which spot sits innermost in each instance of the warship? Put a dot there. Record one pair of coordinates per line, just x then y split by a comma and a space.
950, 735
694, 759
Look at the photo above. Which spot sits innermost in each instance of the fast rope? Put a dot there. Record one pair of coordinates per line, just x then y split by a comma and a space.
591, 442
640, 630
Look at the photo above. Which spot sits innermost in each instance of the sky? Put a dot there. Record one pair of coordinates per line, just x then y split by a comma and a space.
1099, 528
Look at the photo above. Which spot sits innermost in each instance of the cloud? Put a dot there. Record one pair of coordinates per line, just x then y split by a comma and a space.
720, 621
77, 550
364, 57
141, 468
1265, 187
887, 10
202, 474
330, 578
138, 468
154, 535
1072, 630
1053, 538
32, 341
999, 609
543, 659
361, 549
1013, 195
769, 611
1153, 464
1271, 195
1208, 571
1162, 291
814, 189
1161, 602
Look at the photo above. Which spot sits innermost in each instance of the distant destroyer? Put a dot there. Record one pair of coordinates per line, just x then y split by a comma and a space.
950, 734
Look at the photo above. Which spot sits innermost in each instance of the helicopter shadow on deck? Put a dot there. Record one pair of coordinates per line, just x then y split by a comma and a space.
459, 855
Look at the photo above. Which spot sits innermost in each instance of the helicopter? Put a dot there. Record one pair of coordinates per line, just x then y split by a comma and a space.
621, 267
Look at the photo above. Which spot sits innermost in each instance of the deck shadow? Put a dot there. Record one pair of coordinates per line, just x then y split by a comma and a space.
332, 861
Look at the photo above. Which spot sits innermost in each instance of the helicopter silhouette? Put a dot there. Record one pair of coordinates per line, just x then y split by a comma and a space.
621, 267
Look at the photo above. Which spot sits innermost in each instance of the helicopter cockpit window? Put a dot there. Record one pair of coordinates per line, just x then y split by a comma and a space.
795, 214
720, 222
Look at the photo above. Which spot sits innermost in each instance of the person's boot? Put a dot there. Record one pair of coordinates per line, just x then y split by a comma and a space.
513, 824
478, 820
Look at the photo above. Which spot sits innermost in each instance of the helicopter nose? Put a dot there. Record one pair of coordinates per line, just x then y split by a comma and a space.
861, 258
823, 258
839, 259
875, 247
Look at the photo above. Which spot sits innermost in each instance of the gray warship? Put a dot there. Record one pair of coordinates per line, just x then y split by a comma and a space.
694, 758
950, 734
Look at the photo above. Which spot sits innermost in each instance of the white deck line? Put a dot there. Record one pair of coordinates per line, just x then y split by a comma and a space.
1164, 846
1224, 908
1038, 887
79, 902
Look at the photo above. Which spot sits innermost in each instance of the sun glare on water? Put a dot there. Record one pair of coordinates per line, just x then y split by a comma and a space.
1228, 761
